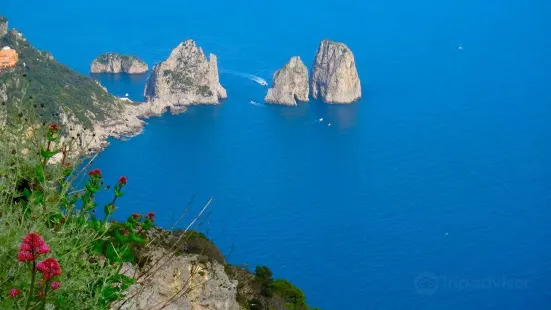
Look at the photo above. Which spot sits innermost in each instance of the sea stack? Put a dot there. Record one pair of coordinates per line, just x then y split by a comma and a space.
3, 26
289, 83
334, 75
116, 63
185, 77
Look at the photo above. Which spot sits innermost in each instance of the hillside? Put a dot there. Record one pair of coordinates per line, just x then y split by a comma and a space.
39, 79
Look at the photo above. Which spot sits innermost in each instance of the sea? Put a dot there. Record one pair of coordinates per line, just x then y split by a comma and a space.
431, 192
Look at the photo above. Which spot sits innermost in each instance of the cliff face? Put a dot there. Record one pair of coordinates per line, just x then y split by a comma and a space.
334, 75
289, 82
186, 282
185, 78
115, 63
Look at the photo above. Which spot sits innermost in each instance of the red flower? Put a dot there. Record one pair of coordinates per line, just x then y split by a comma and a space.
32, 246
136, 216
34, 240
151, 216
25, 247
54, 127
40, 294
123, 180
96, 173
25, 256
14, 292
49, 268
55, 285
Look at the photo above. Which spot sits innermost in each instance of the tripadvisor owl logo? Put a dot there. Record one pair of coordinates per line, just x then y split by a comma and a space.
426, 283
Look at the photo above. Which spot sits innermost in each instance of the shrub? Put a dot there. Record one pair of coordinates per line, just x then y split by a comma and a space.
55, 252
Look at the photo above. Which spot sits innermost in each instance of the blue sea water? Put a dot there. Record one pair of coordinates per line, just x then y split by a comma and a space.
432, 192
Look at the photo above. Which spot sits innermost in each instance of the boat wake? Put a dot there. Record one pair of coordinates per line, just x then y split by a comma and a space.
257, 104
251, 77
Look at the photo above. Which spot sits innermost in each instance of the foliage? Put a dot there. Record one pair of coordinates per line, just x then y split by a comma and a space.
293, 296
261, 291
43, 196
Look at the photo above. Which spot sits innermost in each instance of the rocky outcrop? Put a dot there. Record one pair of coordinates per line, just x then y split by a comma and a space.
289, 83
186, 77
184, 282
3, 26
334, 76
115, 63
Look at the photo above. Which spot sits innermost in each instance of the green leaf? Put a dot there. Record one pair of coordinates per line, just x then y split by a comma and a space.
135, 238
27, 193
40, 174
48, 154
111, 253
38, 198
127, 255
119, 237
98, 246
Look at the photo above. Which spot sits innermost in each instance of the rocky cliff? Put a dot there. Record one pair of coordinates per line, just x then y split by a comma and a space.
58, 94
115, 63
185, 77
289, 83
334, 76
185, 282
185, 270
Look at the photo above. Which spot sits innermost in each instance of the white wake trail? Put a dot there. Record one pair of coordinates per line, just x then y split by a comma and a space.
251, 77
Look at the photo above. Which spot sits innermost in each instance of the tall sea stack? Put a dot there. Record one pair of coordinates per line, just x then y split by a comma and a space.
186, 77
289, 83
334, 76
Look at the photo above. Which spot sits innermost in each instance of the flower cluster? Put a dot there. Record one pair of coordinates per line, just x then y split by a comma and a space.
53, 127
151, 216
123, 180
95, 174
14, 292
32, 246
49, 268
53, 133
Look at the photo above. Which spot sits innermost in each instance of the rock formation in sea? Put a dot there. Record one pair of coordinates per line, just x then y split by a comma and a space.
289, 83
116, 63
334, 76
186, 77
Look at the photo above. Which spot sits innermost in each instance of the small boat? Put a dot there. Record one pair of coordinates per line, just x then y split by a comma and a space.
126, 95
321, 119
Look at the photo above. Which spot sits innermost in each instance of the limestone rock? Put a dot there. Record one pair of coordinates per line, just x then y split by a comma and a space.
334, 75
3, 26
289, 82
183, 283
185, 77
115, 63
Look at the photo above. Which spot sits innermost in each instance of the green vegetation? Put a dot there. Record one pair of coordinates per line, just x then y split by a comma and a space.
261, 291
40, 79
55, 251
